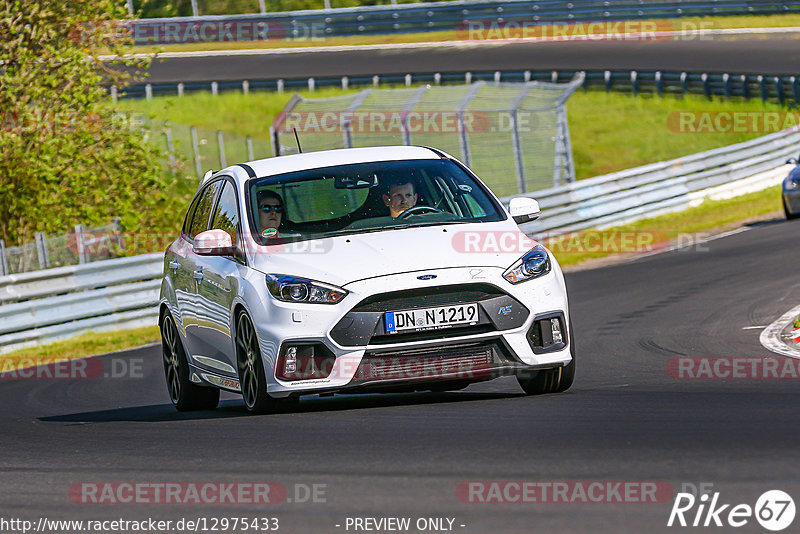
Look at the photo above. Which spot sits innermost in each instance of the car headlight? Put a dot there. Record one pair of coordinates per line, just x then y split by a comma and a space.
293, 289
533, 264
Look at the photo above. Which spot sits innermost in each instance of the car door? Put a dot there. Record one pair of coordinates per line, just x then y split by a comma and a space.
187, 267
217, 287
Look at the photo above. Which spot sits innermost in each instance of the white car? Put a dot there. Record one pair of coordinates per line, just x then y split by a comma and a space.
357, 270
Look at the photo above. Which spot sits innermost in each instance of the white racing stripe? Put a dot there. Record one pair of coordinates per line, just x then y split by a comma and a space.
457, 44
771, 336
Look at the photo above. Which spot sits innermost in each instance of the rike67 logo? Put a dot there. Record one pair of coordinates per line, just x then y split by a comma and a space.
774, 510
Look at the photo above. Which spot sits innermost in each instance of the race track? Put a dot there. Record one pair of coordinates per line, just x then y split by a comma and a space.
773, 54
624, 419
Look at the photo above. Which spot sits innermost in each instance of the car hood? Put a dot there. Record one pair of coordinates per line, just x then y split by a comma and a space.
343, 260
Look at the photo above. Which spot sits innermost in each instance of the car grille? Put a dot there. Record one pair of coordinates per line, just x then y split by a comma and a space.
426, 298
472, 361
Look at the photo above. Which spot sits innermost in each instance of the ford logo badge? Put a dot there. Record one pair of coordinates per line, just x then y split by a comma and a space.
426, 277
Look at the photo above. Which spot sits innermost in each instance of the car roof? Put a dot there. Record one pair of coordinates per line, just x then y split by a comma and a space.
344, 156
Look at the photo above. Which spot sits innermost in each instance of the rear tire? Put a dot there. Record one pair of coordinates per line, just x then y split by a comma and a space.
185, 395
551, 380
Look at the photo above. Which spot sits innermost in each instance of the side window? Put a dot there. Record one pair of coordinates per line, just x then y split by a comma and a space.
203, 211
227, 215
187, 222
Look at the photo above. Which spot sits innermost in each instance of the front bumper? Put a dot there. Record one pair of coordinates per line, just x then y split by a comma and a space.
365, 358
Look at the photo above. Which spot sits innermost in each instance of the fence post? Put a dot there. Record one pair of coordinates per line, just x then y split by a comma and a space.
180, 88
114, 94
796, 89
276, 142
345, 83
684, 84
726, 79
468, 78
170, 145
497, 76
250, 154
408, 80
214, 88
41, 251
526, 76
607, 79
745, 87
80, 244
195, 12
779, 88
262, 7
763, 84
635, 82
311, 84
437, 78
148, 91
659, 84
516, 145
3, 264
280, 85
196, 149
246, 86
221, 144
706, 85
376, 81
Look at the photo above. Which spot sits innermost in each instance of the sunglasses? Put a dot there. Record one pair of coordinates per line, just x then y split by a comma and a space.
267, 208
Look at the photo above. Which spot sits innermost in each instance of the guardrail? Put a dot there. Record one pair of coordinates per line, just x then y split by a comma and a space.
781, 88
439, 16
52, 304
663, 187
48, 305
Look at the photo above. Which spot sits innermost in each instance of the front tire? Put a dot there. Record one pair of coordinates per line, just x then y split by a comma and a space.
789, 214
185, 395
555, 380
252, 379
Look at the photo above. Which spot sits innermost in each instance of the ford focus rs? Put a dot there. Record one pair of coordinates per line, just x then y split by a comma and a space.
357, 270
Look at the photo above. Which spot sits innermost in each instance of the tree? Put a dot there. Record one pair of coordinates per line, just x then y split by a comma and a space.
65, 156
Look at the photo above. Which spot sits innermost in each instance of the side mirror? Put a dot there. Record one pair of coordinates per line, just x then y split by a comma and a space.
791, 161
213, 243
524, 209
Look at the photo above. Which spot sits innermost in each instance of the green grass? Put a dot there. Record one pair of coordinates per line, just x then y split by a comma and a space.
89, 344
686, 24
712, 216
610, 131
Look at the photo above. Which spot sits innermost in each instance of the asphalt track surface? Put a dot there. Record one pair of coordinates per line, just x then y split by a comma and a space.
757, 54
624, 419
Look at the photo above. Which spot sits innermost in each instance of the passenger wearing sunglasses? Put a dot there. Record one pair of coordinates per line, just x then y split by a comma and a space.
270, 212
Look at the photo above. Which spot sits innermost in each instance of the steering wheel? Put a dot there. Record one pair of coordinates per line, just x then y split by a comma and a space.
416, 210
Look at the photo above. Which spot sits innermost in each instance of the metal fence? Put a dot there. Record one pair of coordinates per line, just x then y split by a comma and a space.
74, 248
438, 16
779, 88
514, 134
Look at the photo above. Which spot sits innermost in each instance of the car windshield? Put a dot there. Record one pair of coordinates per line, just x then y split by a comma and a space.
366, 197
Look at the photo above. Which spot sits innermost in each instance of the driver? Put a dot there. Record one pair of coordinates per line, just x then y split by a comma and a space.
400, 196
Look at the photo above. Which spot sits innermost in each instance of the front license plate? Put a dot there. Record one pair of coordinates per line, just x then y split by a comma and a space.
431, 318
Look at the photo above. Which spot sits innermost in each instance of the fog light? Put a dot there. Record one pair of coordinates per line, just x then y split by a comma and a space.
304, 361
290, 363
555, 326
